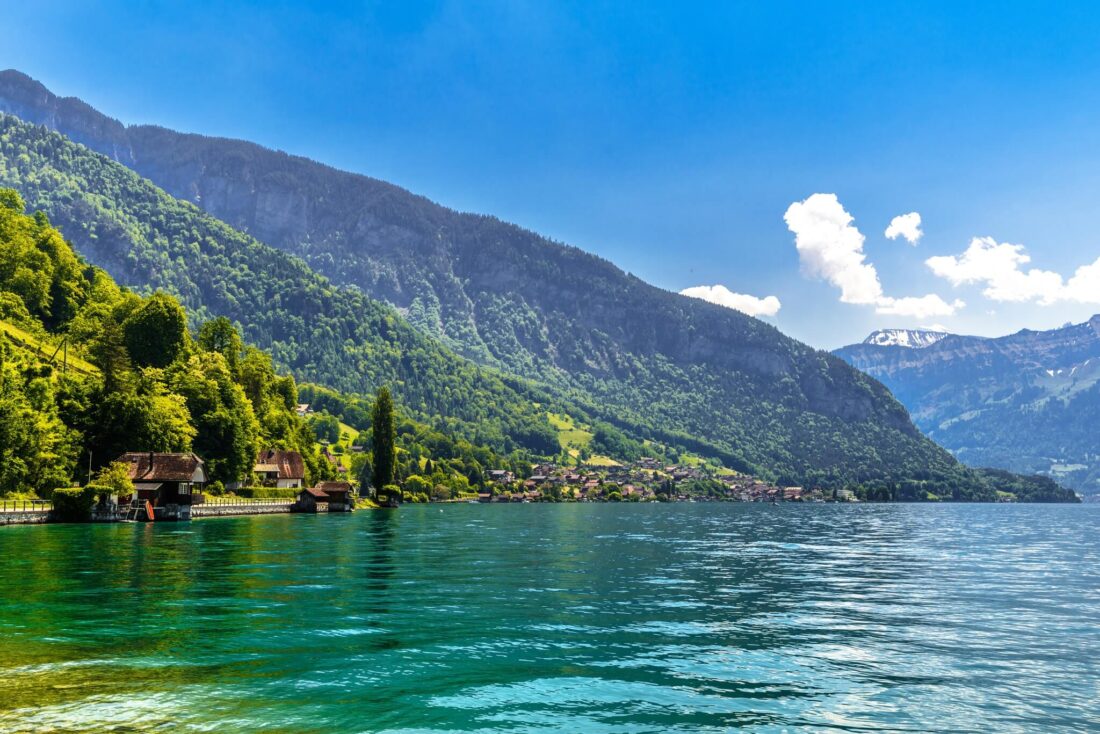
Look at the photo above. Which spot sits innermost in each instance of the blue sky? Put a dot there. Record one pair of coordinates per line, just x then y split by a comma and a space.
671, 138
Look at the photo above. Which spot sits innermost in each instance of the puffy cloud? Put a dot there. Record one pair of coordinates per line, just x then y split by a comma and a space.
830, 247
998, 266
919, 307
723, 296
907, 226
1084, 286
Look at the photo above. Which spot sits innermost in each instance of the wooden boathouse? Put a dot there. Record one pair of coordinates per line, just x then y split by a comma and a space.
167, 485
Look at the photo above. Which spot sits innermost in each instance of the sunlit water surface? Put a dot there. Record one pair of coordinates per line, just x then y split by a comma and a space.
559, 618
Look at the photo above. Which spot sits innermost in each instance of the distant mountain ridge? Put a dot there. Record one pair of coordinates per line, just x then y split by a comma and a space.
913, 338
660, 365
1027, 402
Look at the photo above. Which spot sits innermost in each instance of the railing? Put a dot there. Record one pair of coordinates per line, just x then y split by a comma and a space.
25, 505
246, 501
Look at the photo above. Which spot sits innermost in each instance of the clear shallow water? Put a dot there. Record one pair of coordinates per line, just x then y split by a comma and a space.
559, 618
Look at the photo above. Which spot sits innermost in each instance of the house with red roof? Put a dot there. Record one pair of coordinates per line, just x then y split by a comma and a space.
280, 468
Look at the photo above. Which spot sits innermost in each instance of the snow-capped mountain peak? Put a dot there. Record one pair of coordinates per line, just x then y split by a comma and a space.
912, 338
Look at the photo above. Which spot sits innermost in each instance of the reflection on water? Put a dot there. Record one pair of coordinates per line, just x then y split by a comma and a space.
532, 618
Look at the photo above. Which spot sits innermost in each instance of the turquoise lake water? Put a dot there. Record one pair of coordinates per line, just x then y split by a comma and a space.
559, 618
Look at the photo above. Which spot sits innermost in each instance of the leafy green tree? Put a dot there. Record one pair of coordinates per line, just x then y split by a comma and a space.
108, 352
325, 427
37, 451
221, 336
156, 334
116, 477
152, 420
227, 431
384, 440
417, 484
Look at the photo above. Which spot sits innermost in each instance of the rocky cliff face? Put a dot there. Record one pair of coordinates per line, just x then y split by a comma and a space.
30, 100
1027, 402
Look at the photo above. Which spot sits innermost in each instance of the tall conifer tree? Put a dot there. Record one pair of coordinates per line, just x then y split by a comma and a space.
384, 441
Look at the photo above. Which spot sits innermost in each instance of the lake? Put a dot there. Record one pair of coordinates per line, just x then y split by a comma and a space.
559, 618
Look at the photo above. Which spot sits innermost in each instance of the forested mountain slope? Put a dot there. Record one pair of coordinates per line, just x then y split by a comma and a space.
1027, 402
149, 241
89, 371
656, 364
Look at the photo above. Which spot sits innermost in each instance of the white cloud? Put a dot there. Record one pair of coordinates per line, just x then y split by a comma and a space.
907, 226
723, 296
919, 307
1084, 286
831, 247
997, 266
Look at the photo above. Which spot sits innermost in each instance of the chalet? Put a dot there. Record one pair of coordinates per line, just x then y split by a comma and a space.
303, 409
282, 469
484, 497
501, 476
169, 483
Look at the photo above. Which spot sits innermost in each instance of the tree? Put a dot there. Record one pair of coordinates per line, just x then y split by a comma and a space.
108, 353
384, 440
151, 421
226, 426
156, 334
325, 427
116, 477
219, 335
37, 451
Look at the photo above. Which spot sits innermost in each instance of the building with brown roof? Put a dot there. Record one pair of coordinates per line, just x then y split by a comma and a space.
169, 483
279, 468
339, 496
311, 499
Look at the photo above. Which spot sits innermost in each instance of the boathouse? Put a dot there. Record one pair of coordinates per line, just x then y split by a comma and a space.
339, 496
311, 499
167, 483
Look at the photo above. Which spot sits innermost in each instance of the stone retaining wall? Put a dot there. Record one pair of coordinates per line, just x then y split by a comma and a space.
34, 517
232, 510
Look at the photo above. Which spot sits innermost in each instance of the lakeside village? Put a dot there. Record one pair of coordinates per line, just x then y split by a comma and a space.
153, 486
644, 480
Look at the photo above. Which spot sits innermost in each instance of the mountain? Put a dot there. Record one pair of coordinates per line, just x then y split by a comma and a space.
299, 251
1027, 402
913, 338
